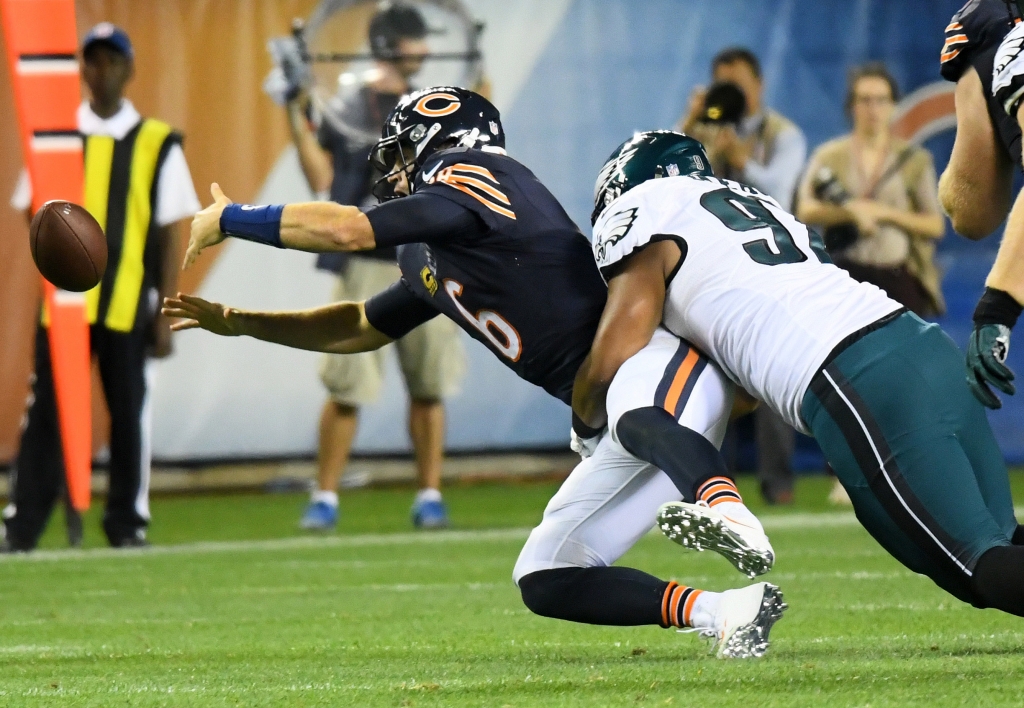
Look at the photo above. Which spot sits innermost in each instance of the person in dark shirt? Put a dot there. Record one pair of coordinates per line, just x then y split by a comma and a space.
333, 154
483, 242
984, 55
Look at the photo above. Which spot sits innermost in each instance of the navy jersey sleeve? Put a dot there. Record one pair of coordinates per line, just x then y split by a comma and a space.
422, 218
397, 311
978, 26
472, 179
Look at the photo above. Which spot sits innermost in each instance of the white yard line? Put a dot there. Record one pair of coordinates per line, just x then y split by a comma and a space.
772, 522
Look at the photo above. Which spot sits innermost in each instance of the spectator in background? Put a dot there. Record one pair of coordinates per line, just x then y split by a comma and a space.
767, 151
129, 160
333, 152
876, 196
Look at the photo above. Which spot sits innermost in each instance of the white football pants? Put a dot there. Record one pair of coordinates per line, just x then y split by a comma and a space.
610, 500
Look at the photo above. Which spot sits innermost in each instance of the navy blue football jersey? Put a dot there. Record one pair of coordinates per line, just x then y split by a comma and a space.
486, 244
973, 37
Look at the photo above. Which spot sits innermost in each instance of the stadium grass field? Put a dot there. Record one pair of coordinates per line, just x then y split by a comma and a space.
233, 607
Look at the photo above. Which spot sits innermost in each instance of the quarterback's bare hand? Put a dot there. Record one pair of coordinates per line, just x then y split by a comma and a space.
206, 226
196, 313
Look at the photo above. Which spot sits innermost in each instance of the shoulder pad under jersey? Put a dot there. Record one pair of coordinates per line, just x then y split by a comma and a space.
472, 178
978, 25
1008, 71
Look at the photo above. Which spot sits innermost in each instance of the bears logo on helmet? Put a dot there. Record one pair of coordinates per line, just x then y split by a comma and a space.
423, 105
427, 121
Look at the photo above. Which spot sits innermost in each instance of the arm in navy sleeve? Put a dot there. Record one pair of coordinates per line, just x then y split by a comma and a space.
422, 218
397, 311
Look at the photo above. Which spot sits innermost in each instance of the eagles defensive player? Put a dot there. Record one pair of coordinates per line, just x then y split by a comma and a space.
983, 55
723, 266
484, 243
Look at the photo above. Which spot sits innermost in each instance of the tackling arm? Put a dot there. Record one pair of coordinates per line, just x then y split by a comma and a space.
974, 189
338, 328
636, 298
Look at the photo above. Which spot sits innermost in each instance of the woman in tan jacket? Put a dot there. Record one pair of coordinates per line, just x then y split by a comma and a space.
876, 197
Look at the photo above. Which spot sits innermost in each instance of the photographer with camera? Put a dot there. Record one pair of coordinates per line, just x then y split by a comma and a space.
745, 140
875, 196
333, 143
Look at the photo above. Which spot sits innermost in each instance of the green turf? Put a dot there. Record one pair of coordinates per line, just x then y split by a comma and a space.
368, 617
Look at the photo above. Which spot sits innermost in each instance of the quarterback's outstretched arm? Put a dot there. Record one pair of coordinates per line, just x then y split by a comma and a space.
325, 226
309, 226
338, 328
636, 298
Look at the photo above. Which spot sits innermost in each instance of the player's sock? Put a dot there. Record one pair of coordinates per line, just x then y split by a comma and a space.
721, 493
603, 595
998, 579
428, 495
325, 495
686, 456
683, 606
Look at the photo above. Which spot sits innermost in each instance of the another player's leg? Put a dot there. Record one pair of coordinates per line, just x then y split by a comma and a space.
337, 430
122, 362
669, 406
426, 428
607, 503
432, 363
38, 472
888, 413
351, 380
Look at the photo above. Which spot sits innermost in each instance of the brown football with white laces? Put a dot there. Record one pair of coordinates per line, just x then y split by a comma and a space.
68, 246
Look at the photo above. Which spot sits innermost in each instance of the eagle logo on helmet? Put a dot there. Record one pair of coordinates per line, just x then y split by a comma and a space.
452, 104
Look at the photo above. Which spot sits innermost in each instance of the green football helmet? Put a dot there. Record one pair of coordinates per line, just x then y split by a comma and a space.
648, 155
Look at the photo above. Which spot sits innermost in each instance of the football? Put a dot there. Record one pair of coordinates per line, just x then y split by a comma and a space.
68, 246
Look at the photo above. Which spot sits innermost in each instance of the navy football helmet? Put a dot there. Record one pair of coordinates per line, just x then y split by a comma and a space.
429, 120
649, 155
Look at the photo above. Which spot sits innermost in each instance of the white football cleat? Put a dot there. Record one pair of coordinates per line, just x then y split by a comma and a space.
744, 620
701, 528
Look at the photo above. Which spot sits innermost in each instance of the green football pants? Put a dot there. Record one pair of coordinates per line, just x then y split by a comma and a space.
895, 418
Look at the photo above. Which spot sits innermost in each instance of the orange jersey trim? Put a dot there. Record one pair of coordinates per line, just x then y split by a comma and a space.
473, 187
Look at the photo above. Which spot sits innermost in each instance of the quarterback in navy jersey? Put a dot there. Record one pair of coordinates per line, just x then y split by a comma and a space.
483, 242
984, 54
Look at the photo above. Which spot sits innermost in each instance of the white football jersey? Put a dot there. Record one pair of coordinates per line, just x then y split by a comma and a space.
753, 291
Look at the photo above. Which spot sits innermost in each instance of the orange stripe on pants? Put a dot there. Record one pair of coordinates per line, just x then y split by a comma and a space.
679, 382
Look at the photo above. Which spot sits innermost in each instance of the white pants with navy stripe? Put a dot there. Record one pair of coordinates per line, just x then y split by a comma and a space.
611, 499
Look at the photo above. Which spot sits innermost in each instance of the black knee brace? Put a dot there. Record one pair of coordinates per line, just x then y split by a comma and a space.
686, 456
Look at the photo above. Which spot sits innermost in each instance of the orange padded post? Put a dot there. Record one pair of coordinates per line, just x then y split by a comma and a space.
41, 43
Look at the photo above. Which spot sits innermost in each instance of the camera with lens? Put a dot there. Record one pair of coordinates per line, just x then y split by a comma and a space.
827, 188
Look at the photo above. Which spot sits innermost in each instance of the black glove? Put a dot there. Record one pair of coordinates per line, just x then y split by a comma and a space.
989, 346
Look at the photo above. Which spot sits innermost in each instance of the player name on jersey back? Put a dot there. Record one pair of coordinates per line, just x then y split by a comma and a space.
755, 291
